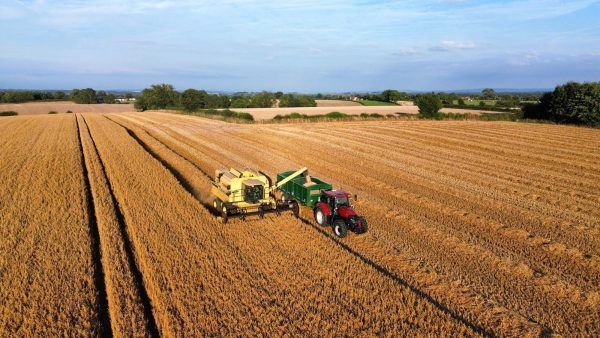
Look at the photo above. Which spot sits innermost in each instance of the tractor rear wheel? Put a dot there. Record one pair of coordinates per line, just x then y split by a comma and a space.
340, 229
320, 217
295, 208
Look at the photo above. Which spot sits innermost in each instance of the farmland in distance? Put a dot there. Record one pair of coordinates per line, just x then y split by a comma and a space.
475, 228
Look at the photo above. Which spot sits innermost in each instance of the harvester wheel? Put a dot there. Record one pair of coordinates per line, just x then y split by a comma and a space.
340, 228
224, 215
217, 205
295, 209
320, 217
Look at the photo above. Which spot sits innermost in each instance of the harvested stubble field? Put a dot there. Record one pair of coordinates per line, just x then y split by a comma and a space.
476, 228
269, 113
37, 108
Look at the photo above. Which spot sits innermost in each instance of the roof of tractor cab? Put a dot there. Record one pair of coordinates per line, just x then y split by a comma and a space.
336, 193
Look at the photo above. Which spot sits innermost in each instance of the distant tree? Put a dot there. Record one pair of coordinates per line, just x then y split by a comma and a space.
278, 95
429, 105
158, 96
482, 103
262, 100
538, 111
290, 100
391, 95
60, 95
140, 103
218, 101
240, 102
576, 103
461, 102
488, 94
192, 99
84, 96
110, 98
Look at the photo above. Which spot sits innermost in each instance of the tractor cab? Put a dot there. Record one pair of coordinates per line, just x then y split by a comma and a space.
335, 198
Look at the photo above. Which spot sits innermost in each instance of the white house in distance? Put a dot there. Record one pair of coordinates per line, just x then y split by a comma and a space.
125, 100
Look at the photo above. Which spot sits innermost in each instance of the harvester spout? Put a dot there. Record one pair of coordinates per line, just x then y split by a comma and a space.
289, 178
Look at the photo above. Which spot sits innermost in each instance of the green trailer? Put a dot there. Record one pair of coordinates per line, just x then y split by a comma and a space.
305, 189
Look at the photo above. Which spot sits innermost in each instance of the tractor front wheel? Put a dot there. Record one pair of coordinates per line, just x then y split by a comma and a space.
340, 229
320, 217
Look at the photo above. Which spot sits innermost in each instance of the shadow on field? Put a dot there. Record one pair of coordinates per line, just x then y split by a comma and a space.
478, 329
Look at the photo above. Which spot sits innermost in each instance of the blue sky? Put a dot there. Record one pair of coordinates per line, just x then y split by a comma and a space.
306, 46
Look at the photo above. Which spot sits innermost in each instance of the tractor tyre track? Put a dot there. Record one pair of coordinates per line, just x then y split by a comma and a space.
129, 247
99, 276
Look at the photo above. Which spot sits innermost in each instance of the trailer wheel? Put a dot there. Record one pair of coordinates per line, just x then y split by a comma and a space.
320, 217
340, 229
295, 209
224, 215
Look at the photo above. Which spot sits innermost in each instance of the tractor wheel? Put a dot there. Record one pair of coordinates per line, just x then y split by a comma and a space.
340, 229
320, 217
224, 215
295, 209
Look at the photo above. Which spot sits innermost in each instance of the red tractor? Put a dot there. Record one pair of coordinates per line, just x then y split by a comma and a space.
334, 209
330, 207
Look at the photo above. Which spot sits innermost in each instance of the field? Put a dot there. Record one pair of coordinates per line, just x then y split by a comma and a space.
36, 108
336, 103
477, 103
475, 228
269, 113
375, 103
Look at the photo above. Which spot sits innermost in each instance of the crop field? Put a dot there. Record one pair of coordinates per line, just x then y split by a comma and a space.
475, 229
269, 113
37, 108
336, 103
375, 103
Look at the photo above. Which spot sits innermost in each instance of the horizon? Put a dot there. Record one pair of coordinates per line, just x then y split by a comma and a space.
225, 92
300, 46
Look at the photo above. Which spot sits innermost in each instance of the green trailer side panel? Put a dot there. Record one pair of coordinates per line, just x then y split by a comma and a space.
307, 196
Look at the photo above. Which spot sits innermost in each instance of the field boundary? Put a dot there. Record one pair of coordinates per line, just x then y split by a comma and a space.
129, 248
99, 276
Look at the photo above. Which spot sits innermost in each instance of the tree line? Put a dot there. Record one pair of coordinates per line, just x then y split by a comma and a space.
86, 95
20, 96
164, 96
573, 103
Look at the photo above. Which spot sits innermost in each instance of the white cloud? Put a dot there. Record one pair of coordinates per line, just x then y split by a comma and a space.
407, 51
449, 45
